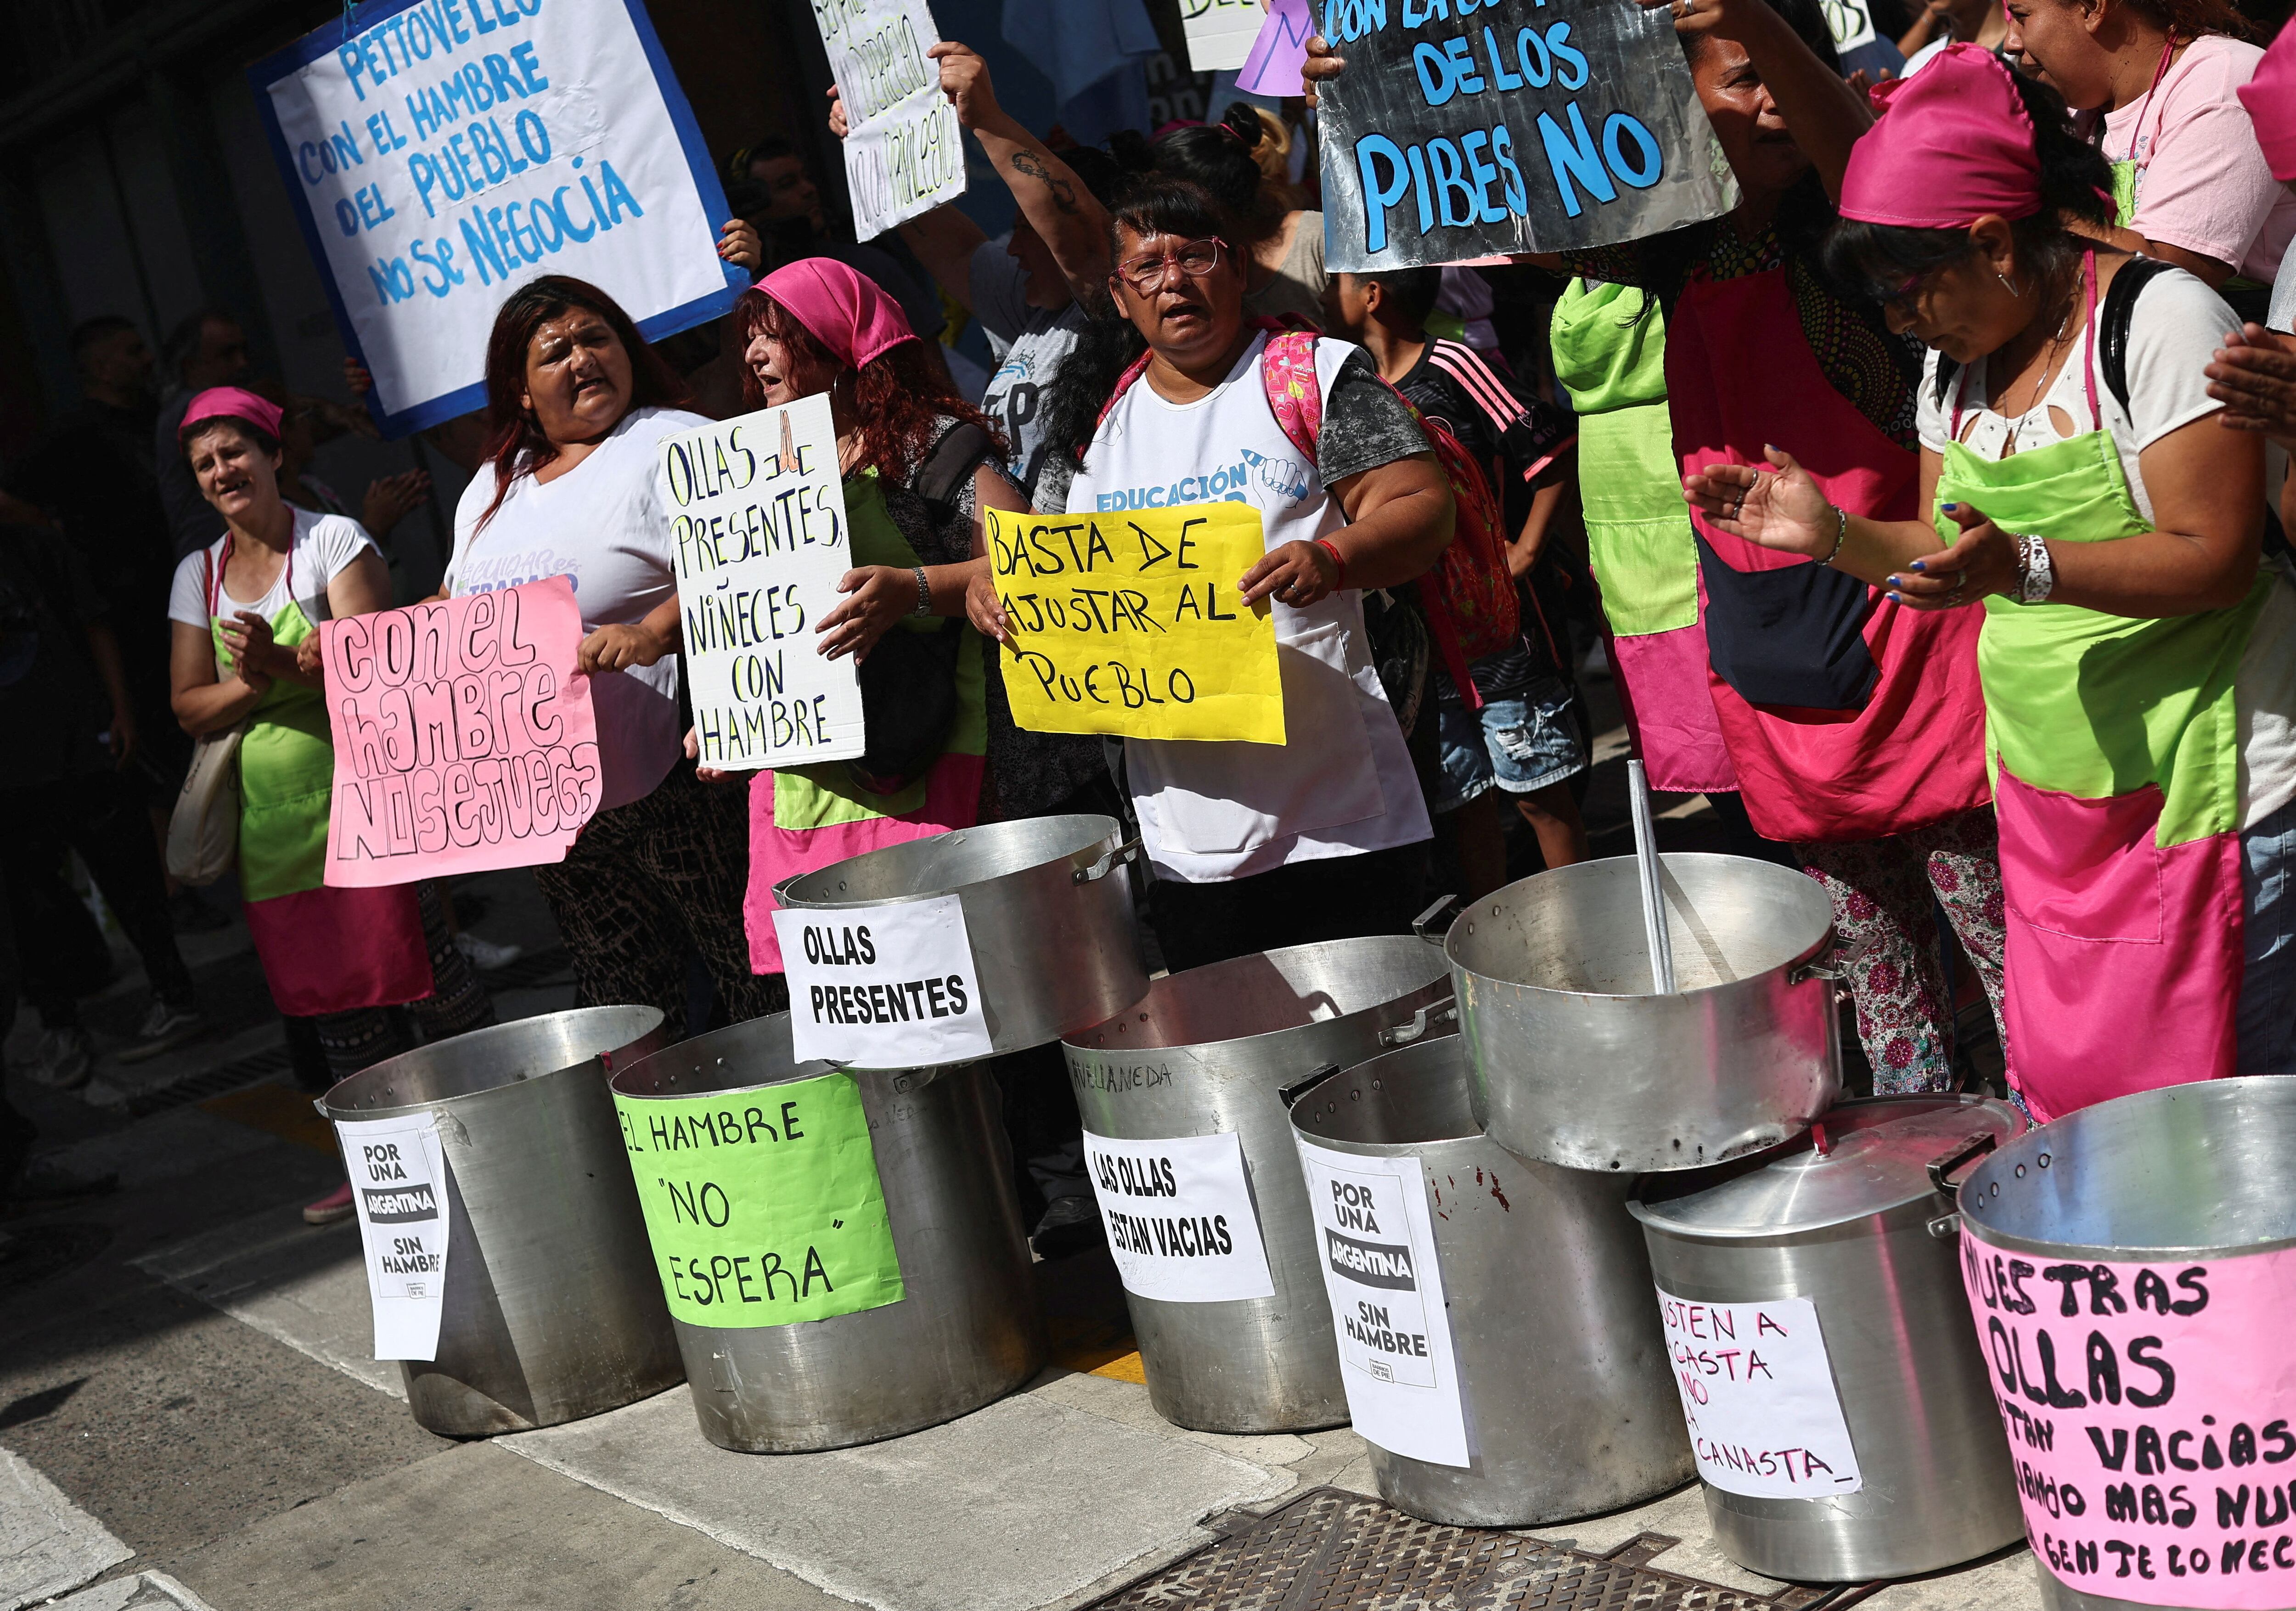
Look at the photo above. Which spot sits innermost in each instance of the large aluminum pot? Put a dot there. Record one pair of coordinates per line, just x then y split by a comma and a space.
1570, 1402
1846, 1225
1570, 1058
1211, 1050
553, 1310
965, 1333
2132, 1271
1047, 907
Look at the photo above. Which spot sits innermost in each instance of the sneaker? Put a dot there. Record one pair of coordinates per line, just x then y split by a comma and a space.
65, 1058
485, 955
164, 1028
332, 1208
1070, 1225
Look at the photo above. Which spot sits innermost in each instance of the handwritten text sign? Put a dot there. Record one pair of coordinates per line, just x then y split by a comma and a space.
1220, 33
1376, 1243
440, 154
1758, 1390
1181, 1226
463, 736
904, 153
398, 1190
1130, 624
759, 529
1524, 126
1281, 51
890, 986
764, 1206
2152, 1411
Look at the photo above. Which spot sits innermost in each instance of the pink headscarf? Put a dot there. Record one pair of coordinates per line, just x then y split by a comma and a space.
2270, 98
261, 413
1953, 143
846, 310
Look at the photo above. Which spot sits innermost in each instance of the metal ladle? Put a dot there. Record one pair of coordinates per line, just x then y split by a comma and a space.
1654, 932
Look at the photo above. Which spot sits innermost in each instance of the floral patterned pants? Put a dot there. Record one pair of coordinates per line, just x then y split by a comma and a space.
1881, 890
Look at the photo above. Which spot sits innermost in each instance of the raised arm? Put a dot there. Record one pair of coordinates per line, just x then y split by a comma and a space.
1825, 114
1052, 198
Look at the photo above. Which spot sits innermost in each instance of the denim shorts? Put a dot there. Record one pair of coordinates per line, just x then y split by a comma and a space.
1519, 745
2267, 1021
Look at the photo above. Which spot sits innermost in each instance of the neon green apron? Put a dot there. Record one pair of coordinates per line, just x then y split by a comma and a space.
286, 774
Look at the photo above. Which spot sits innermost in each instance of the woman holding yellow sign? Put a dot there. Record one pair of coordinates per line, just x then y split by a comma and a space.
1257, 846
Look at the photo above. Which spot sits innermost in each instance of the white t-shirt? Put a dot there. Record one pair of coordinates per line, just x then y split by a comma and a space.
1344, 784
324, 545
601, 526
1036, 343
2176, 324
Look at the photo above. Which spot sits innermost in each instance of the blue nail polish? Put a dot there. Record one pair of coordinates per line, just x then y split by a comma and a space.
1949, 508
1894, 582
1920, 564
1895, 599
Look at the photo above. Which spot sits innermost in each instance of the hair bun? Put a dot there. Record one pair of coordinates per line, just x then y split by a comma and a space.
1242, 119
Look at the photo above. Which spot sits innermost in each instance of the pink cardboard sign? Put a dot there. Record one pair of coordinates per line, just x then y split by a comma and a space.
2151, 1413
1281, 51
463, 736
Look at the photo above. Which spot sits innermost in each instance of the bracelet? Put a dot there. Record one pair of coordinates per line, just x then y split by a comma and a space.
1325, 545
1841, 534
2037, 573
924, 594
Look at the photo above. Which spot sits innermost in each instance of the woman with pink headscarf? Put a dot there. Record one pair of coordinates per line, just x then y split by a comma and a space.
2138, 654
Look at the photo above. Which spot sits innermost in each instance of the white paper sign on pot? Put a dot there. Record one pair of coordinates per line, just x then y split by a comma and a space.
398, 1190
1766, 1418
890, 986
1181, 1225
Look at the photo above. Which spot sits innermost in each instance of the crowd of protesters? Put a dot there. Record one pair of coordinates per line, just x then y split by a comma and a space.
1922, 508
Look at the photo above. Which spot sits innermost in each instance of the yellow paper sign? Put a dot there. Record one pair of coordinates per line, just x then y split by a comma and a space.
1129, 623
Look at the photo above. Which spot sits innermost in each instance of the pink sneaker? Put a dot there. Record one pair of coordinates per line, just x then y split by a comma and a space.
332, 1209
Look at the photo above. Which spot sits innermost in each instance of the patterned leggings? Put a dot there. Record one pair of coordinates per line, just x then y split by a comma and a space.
365, 1035
650, 883
1881, 890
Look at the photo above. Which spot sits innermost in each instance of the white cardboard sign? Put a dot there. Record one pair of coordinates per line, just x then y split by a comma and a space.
890, 986
905, 150
759, 542
1851, 22
1181, 1226
1220, 32
1375, 1244
1758, 1390
398, 1187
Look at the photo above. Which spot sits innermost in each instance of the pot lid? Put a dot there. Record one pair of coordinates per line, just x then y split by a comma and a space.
1862, 1158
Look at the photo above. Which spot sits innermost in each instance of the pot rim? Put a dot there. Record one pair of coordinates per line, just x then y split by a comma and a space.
1442, 981
2009, 1242
598, 1060
1084, 854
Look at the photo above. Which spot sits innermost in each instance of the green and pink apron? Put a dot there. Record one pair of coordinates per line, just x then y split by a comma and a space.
1847, 716
322, 949
1609, 355
2117, 777
807, 817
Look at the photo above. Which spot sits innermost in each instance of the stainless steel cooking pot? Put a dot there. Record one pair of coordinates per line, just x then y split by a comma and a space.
1570, 1403
2132, 1268
1571, 1060
1047, 907
966, 1330
553, 1310
1842, 1218
1211, 1050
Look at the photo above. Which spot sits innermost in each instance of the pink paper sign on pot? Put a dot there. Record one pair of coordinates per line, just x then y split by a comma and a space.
464, 738
1281, 51
2151, 1413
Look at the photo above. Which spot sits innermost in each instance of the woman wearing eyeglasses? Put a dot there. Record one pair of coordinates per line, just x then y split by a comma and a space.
1255, 847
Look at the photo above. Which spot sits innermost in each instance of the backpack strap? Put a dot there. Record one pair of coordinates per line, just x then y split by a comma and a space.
1295, 392
940, 478
2119, 312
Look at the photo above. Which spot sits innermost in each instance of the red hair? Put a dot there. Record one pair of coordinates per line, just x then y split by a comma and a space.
515, 445
901, 395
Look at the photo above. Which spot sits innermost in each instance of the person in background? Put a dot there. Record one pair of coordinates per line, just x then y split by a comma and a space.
1281, 247
2139, 655
69, 718
246, 612
576, 407
1273, 152
2254, 373
1255, 847
206, 349
388, 498
1942, 22
2157, 83
1525, 741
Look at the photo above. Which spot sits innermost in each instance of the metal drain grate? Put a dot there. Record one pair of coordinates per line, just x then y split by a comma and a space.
1332, 1550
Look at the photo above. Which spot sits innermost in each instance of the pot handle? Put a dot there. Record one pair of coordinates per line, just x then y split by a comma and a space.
1425, 1019
1827, 967
1426, 920
1290, 1095
1945, 1225
1129, 851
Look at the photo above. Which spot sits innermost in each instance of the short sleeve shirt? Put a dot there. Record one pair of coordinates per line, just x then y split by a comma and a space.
323, 546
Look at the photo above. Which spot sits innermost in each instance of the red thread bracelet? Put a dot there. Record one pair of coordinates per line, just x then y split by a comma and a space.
1325, 545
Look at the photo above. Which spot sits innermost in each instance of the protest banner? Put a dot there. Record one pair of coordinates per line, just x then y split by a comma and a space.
1181, 1226
1220, 33
1757, 1391
1852, 23
764, 1206
439, 153
1279, 53
398, 1191
1526, 127
464, 738
759, 530
884, 986
1129, 623
904, 148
